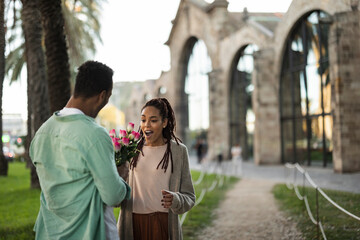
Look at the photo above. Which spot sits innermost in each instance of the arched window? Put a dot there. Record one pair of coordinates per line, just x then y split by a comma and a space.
242, 118
197, 91
305, 93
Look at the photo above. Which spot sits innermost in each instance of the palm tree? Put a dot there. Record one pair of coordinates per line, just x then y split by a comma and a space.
82, 28
38, 103
57, 59
3, 161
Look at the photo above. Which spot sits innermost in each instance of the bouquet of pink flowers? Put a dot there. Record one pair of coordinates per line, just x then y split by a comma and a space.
125, 144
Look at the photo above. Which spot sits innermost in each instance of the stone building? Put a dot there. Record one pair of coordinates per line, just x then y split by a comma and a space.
284, 86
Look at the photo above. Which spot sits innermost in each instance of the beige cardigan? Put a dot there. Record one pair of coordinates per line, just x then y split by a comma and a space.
180, 186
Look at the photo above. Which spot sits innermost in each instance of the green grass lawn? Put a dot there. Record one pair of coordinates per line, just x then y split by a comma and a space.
202, 214
20, 204
337, 225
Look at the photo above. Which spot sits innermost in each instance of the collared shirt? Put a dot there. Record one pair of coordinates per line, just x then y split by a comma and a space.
74, 160
110, 221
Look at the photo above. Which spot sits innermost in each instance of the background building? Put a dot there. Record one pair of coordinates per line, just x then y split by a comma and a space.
282, 85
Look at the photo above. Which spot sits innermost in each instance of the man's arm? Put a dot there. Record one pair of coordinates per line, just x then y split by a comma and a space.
100, 159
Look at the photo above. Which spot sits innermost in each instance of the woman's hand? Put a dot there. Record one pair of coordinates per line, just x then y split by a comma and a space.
167, 199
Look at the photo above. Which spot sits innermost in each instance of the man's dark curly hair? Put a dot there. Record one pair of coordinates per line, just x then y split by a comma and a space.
93, 77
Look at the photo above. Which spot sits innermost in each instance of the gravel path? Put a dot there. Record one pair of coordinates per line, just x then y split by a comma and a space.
248, 212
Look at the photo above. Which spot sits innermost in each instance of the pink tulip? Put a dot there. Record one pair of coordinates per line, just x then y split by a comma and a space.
130, 127
115, 139
137, 136
131, 136
117, 146
123, 133
125, 141
112, 133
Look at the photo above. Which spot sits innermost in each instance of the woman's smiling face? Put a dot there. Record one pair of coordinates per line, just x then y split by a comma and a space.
152, 126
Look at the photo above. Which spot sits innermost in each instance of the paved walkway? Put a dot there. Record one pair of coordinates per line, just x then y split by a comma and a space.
325, 178
249, 212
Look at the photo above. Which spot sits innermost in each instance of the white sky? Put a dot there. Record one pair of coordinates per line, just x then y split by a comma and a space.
134, 33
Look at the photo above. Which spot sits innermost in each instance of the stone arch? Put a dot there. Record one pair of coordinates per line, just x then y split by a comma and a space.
230, 49
230, 46
182, 96
297, 10
192, 22
241, 100
303, 74
182, 106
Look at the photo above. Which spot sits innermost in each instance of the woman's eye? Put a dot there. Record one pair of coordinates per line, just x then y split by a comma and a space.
154, 121
142, 120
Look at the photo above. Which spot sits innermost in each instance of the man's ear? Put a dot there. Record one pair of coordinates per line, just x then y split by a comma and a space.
102, 95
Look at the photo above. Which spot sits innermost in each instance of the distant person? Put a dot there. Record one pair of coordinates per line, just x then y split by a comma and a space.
74, 159
199, 149
159, 177
236, 158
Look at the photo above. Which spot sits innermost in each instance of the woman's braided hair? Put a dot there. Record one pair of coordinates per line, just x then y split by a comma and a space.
166, 111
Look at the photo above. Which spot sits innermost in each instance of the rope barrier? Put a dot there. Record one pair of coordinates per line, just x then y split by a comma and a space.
182, 219
219, 180
202, 194
312, 183
309, 211
294, 186
337, 206
298, 193
322, 231
201, 177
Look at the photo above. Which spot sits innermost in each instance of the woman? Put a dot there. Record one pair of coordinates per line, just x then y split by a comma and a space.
159, 178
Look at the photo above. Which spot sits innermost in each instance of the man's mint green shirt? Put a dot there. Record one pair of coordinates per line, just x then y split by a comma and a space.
74, 159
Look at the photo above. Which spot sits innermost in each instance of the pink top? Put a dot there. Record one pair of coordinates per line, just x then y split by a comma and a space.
149, 181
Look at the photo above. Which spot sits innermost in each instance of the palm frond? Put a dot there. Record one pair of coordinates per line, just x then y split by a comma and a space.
82, 28
13, 57
17, 70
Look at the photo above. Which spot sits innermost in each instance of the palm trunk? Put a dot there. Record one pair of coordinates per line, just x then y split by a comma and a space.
56, 53
3, 161
38, 103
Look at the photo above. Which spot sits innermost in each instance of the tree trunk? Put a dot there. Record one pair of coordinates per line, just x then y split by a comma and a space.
38, 103
58, 72
3, 161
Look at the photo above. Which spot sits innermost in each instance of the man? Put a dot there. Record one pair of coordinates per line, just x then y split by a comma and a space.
74, 159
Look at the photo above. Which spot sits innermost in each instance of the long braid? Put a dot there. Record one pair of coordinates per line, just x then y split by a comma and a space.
139, 147
166, 111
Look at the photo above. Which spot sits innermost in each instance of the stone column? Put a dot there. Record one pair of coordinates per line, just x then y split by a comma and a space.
344, 51
218, 135
267, 141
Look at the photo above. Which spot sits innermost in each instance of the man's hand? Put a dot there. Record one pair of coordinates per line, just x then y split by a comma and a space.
123, 170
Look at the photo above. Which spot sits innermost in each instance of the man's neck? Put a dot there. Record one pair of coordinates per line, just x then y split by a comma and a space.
85, 105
